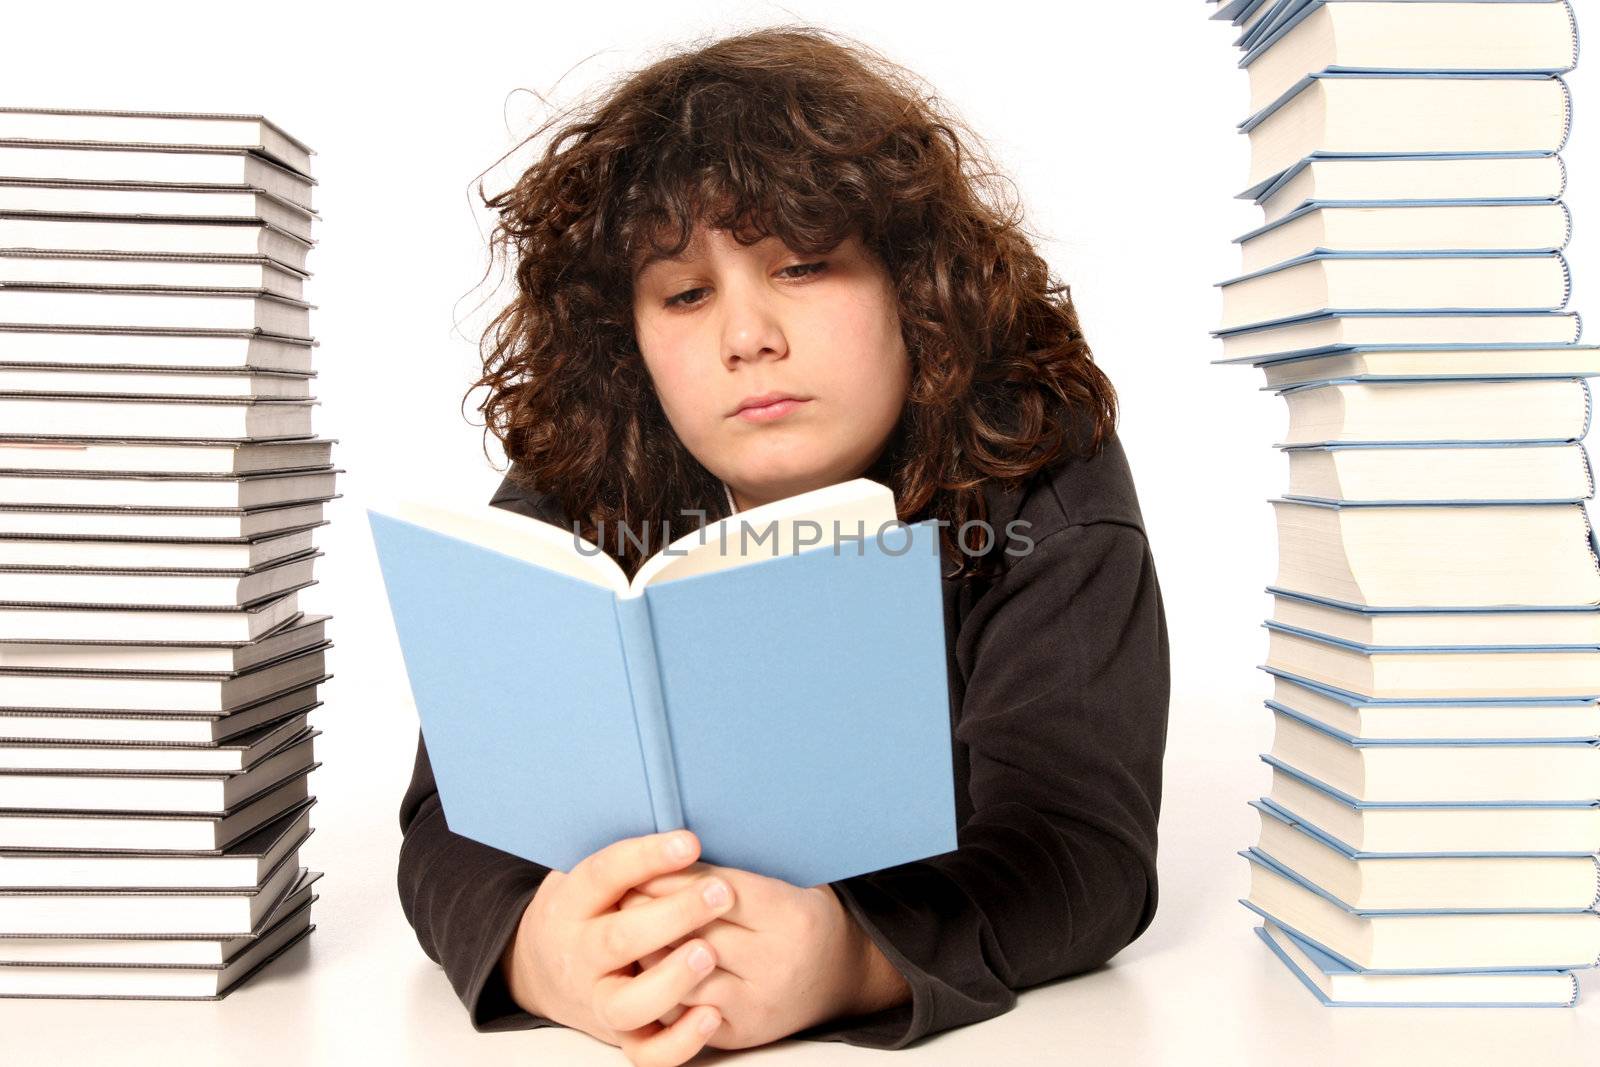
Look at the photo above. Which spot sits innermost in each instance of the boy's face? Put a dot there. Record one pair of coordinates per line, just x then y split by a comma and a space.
727, 321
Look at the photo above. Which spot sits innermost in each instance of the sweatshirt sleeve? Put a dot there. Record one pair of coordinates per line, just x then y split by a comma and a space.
1064, 715
463, 898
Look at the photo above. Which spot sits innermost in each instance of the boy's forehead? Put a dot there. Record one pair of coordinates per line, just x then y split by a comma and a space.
699, 240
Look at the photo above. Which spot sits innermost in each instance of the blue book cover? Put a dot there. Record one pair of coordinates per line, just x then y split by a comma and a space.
1267, 806
1362, 609
792, 710
1562, 985
1366, 649
1308, 208
1287, 14
1316, 317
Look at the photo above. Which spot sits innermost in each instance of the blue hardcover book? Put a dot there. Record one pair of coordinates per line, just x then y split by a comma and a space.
1338, 985
1336, 283
1539, 176
1408, 227
1422, 940
1534, 121
1564, 327
1287, 14
1435, 717
1471, 881
1556, 828
1345, 605
788, 702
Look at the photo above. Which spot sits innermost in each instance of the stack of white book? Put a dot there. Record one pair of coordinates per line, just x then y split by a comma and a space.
1429, 835
159, 488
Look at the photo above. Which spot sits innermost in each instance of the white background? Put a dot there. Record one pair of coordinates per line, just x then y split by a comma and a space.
1116, 121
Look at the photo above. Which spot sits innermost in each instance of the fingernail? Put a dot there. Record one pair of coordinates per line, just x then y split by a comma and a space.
708, 1022
700, 960
716, 894
679, 847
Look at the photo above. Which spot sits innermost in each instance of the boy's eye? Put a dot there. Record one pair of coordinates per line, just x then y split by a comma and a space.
807, 268
677, 301
687, 298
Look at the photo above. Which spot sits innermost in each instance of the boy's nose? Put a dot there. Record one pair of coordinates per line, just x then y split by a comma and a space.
752, 332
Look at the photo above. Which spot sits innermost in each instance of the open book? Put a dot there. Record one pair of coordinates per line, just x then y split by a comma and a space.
775, 682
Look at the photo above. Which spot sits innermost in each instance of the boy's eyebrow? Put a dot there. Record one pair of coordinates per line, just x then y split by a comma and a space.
654, 257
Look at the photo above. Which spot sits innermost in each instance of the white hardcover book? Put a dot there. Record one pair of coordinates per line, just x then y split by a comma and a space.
158, 525
1570, 829
136, 625
168, 491
135, 831
242, 865
1433, 940
91, 791
158, 309
1366, 114
154, 728
1494, 555
154, 588
1322, 332
1400, 673
1388, 881
215, 349
128, 417
1337, 983
1406, 228
1453, 474
1430, 36
1438, 628
1510, 772
207, 202
294, 907
297, 635
236, 168
154, 236
1399, 282
1432, 718
250, 132
154, 555
164, 457
209, 693
1333, 179
107, 270
1540, 409
148, 383
1566, 361
237, 755
157, 983
233, 912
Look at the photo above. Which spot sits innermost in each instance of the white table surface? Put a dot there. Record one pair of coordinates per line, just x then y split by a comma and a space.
1198, 987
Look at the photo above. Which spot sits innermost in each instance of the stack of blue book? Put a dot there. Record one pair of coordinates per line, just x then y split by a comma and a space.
1431, 829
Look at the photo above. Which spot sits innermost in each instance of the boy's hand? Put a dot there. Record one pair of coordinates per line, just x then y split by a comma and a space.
787, 958
572, 959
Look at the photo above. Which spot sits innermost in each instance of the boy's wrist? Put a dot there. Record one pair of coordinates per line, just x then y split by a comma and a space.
878, 984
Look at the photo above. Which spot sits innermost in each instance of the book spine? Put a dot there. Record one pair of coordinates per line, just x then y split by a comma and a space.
1588, 409
650, 711
1588, 471
1566, 280
1577, 41
1594, 901
1561, 167
1566, 237
1566, 112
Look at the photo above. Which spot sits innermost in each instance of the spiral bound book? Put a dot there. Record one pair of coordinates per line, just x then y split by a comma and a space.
790, 707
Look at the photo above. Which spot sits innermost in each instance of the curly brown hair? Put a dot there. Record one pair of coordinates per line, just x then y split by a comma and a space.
803, 135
